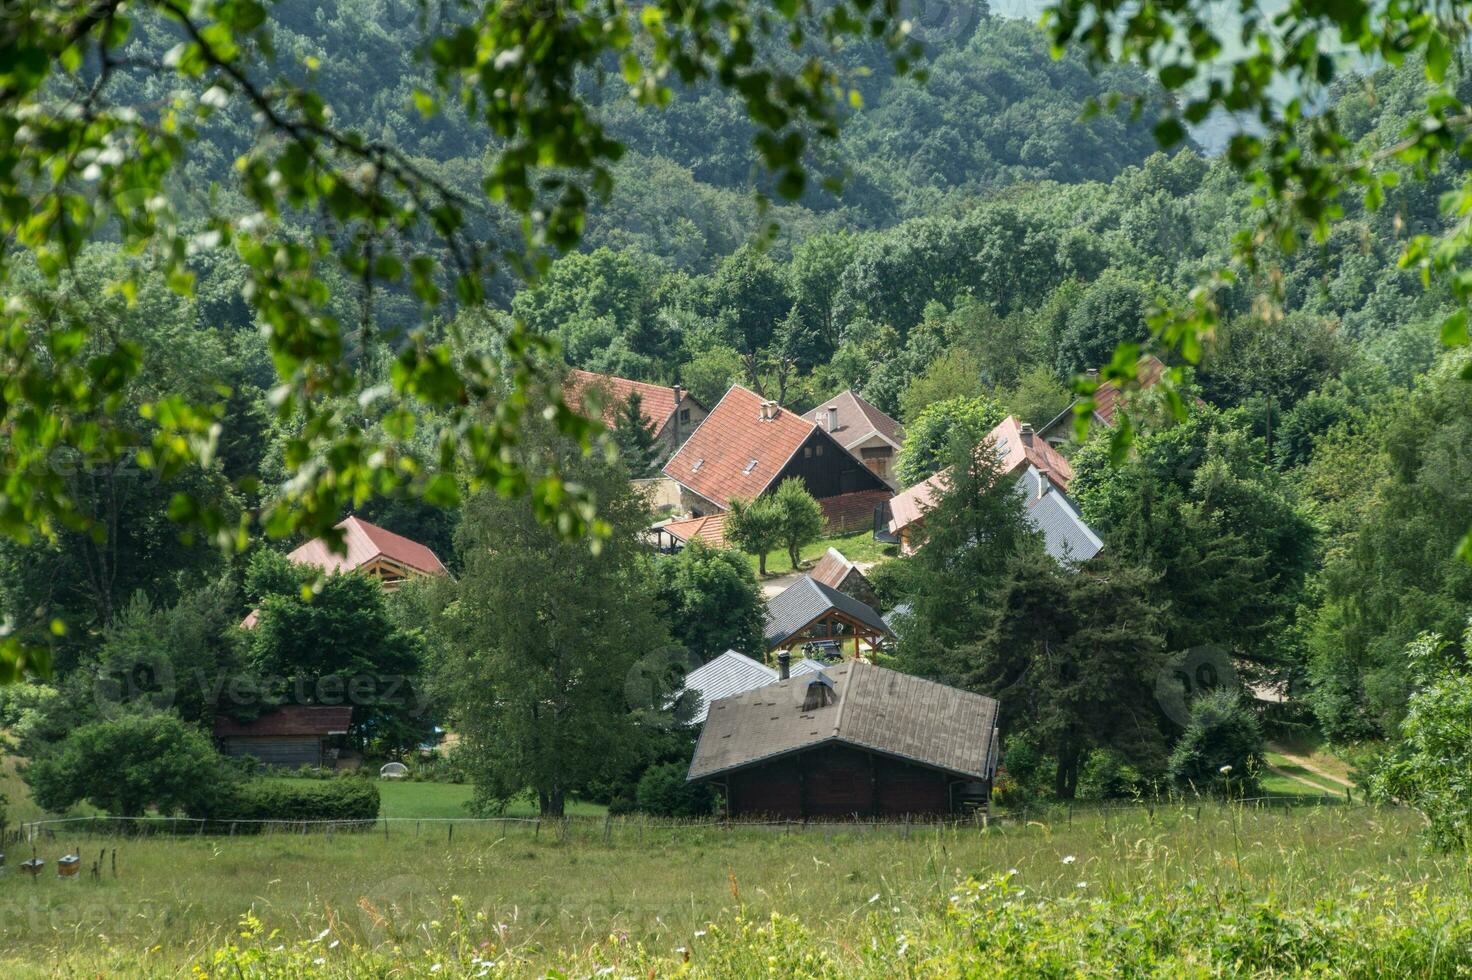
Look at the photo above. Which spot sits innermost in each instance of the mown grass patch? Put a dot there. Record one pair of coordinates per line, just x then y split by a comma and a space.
860, 548
406, 799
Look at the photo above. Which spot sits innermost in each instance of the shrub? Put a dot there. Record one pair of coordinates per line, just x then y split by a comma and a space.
1107, 775
336, 799
126, 765
663, 792
1223, 733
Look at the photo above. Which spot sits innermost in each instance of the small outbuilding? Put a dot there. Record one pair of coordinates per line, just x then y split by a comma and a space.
292, 735
837, 572
855, 740
731, 673
809, 614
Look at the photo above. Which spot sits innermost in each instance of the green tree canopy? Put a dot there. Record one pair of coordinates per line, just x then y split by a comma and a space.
711, 601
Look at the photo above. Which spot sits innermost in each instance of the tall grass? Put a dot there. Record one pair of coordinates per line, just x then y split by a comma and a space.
1157, 892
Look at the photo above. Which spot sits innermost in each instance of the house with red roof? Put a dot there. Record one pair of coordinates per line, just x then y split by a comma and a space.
866, 432
1108, 401
671, 413
748, 445
369, 550
1020, 451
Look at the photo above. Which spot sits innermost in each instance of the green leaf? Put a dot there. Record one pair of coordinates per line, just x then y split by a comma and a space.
1454, 329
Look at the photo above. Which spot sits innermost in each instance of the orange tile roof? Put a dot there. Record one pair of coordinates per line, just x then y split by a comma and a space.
656, 402
735, 452
1107, 396
857, 420
1015, 450
366, 542
831, 569
711, 529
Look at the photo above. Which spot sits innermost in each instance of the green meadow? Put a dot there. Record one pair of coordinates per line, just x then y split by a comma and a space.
1354, 884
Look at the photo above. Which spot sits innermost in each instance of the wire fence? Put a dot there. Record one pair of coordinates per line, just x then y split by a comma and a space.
623, 827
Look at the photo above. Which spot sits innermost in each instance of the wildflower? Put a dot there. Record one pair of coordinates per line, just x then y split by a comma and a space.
1083, 884
321, 935
1225, 770
437, 968
873, 898
1069, 859
319, 961
334, 944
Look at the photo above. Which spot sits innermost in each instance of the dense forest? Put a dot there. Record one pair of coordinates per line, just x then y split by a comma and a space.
985, 239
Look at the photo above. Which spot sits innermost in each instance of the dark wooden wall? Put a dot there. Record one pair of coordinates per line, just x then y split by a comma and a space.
837, 781
830, 472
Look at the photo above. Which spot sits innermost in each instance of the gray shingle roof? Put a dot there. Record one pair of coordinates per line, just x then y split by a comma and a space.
804, 601
730, 673
874, 708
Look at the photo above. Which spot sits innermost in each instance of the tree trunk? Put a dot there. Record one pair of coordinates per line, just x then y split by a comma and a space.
761, 563
552, 803
1065, 780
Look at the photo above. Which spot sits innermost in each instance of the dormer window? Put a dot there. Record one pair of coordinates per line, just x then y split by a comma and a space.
750, 465
695, 467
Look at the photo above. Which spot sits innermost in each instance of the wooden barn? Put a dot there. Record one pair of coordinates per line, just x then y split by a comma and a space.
292, 735
852, 741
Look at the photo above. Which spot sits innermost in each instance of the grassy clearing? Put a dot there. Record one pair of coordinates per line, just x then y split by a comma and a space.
404, 799
860, 548
536, 901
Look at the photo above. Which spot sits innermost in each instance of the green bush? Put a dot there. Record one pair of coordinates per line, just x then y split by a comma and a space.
1107, 775
1221, 749
663, 792
335, 799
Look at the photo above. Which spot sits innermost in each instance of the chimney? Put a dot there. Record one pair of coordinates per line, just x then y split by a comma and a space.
773, 410
1093, 374
679, 394
832, 418
784, 664
1026, 429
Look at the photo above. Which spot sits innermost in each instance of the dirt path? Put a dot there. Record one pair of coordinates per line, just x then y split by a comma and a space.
1295, 777
1304, 763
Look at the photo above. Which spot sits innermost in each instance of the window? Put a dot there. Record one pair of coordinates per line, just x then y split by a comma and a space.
750, 465
807, 452
819, 449
684, 415
698, 463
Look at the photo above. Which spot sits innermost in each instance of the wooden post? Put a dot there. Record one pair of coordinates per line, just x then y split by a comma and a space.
450, 837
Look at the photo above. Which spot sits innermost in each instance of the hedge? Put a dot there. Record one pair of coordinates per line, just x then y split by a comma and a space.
258, 800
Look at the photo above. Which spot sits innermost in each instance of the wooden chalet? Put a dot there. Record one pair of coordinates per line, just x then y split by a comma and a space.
851, 741
1017, 447
292, 735
370, 550
867, 433
748, 445
670, 412
1108, 400
837, 572
808, 614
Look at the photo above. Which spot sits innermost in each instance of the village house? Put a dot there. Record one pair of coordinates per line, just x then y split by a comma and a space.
748, 445
1108, 399
851, 741
1043, 478
669, 537
820, 619
370, 550
670, 412
867, 433
291, 735
837, 572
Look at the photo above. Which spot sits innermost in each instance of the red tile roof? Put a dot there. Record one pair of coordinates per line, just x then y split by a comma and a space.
289, 719
735, 452
1015, 449
1107, 396
366, 542
831, 569
857, 420
711, 529
656, 402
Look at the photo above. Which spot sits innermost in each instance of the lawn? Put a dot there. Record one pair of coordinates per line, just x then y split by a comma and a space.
404, 799
860, 548
389, 905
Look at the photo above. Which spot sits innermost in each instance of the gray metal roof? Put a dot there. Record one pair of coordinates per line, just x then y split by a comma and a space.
1065, 535
730, 673
805, 600
874, 708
